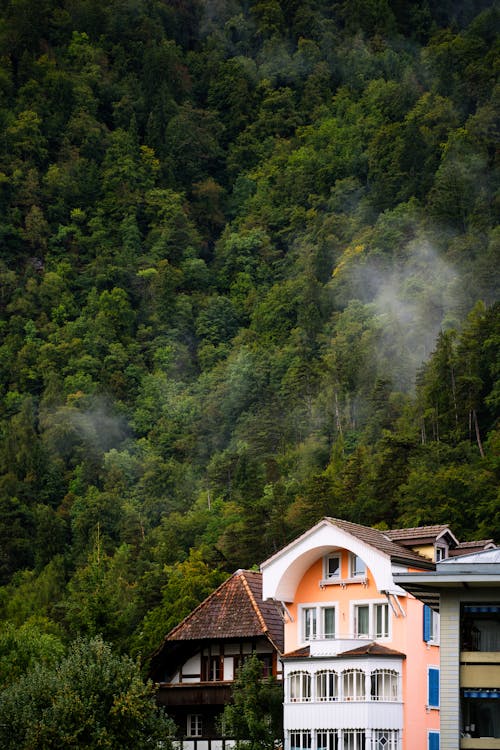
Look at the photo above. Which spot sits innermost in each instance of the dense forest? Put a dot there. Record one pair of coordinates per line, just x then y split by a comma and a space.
249, 259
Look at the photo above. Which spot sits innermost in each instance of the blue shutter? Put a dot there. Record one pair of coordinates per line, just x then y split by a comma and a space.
433, 740
433, 687
427, 623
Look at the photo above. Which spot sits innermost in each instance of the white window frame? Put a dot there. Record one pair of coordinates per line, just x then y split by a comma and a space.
354, 566
329, 681
314, 614
309, 621
440, 552
356, 620
435, 628
385, 685
385, 618
326, 566
302, 739
299, 686
356, 685
327, 739
354, 739
372, 604
194, 726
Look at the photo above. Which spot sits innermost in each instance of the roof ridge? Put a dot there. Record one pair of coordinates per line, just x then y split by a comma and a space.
252, 600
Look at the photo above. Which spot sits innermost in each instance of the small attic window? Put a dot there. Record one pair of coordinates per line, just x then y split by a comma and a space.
441, 553
358, 567
332, 566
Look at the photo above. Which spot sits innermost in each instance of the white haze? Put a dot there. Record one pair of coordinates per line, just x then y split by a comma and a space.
413, 300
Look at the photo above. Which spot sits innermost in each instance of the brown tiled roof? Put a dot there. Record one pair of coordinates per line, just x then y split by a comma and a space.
234, 610
381, 541
367, 649
298, 653
465, 547
372, 649
417, 532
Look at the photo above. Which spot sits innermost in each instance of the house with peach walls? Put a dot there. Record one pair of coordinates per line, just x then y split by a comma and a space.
361, 655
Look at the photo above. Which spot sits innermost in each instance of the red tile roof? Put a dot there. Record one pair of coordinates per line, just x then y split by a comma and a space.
234, 610
372, 649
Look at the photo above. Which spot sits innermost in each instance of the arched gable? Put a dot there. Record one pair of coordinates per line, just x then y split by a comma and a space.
283, 572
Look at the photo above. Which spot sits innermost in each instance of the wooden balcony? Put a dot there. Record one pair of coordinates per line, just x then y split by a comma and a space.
194, 694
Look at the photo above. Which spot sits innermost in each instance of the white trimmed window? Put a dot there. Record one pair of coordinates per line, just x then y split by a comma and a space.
331, 566
357, 567
385, 685
194, 725
327, 622
353, 685
300, 740
327, 685
362, 620
310, 623
299, 687
318, 622
371, 619
327, 739
441, 552
385, 739
381, 620
353, 739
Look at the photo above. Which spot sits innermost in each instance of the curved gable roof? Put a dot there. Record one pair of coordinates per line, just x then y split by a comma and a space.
284, 570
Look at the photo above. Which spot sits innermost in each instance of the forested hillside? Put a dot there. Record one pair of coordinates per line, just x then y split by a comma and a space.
249, 258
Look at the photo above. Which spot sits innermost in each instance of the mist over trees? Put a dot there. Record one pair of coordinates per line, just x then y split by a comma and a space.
249, 261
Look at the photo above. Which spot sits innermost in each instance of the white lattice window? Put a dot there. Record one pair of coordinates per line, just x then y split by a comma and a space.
327, 740
300, 740
385, 739
353, 739
194, 725
327, 686
353, 685
385, 685
299, 687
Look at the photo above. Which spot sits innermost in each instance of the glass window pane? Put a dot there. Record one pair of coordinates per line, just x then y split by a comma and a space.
362, 620
329, 622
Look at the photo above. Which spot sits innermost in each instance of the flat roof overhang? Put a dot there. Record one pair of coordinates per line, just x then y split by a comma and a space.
427, 586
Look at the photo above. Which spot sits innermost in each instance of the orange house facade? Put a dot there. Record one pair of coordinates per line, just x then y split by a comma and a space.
361, 656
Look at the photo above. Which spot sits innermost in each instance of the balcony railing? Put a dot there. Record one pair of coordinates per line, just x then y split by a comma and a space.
332, 645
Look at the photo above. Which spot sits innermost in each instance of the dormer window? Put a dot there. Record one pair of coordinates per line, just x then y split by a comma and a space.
332, 566
358, 567
441, 553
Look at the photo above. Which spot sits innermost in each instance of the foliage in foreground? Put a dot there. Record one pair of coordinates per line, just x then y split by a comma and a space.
91, 699
255, 717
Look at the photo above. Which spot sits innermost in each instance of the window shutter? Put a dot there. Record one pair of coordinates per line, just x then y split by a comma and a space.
433, 740
427, 623
433, 687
